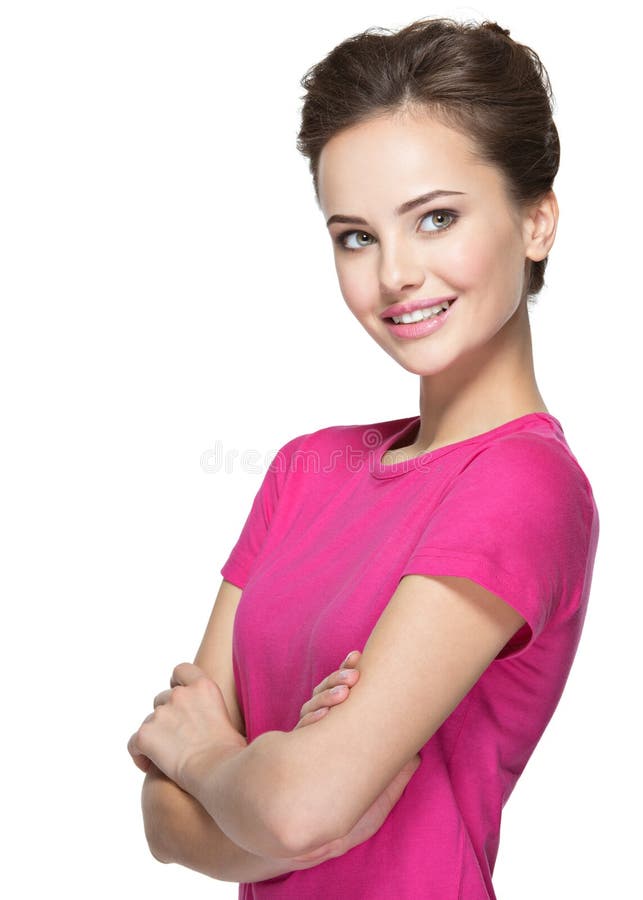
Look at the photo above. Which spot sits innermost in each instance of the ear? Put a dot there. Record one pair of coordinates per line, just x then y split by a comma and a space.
539, 228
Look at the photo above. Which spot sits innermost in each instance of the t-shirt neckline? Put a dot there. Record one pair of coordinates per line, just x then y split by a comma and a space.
410, 429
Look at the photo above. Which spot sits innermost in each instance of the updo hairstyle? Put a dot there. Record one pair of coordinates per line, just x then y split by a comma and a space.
471, 77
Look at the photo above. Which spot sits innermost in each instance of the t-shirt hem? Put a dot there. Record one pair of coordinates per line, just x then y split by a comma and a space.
233, 573
491, 577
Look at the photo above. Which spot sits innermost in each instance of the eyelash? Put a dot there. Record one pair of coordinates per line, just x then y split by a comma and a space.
339, 240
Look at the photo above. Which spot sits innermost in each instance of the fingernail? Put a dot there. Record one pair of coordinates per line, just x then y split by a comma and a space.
347, 658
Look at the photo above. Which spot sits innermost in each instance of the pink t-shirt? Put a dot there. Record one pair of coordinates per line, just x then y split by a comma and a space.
330, 534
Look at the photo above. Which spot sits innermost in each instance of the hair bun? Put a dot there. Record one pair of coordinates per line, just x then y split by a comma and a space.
493, 26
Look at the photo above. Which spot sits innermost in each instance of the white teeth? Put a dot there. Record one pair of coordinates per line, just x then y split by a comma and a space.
420, 314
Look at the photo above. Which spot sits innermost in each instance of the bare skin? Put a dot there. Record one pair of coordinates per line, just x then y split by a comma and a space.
476, 372
331, 691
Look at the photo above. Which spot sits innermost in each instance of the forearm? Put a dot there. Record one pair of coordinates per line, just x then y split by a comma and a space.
179, 830
248, 793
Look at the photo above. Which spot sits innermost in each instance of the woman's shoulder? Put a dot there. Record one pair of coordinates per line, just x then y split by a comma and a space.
537, 466
366, 434
541, 447
324, 448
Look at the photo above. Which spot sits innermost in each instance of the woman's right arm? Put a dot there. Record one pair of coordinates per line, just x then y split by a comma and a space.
177, 827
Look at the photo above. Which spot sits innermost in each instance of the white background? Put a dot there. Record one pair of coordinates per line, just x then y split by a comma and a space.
168, 288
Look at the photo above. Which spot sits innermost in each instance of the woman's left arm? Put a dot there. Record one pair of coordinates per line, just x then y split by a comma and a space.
287, 793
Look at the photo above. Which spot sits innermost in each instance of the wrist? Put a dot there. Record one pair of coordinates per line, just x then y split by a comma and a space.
200, 768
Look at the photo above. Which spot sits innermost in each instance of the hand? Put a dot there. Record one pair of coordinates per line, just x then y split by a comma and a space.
189, 722
344, 678
143, 762
375, 816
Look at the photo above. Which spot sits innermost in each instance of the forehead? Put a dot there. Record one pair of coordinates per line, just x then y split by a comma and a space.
398, 156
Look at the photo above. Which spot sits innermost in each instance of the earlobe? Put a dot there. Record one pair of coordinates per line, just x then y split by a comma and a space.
540, 227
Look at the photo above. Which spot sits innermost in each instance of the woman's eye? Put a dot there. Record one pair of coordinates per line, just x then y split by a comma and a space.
441, 218
343, 239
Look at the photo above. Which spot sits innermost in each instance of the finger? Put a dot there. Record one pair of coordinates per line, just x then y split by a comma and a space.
311, 717
185, 673
324, 683
352, 659
330, 697
143, 762
341, 676
162, 698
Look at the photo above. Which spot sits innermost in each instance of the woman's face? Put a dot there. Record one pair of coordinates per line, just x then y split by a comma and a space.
470, 243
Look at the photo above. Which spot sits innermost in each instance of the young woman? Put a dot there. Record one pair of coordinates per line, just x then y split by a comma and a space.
453, 548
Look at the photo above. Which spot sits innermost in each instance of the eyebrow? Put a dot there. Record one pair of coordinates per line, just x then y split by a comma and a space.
404, 208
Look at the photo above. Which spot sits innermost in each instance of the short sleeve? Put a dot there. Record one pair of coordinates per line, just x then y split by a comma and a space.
518, 521
239, 563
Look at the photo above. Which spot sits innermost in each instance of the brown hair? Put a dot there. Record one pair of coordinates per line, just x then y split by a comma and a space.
472, 77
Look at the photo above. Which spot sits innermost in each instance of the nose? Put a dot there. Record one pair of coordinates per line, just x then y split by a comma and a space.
400, 268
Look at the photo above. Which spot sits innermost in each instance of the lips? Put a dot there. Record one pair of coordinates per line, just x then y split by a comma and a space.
423, 328
398, 309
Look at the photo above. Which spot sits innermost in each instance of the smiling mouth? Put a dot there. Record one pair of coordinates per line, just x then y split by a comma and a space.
419, 315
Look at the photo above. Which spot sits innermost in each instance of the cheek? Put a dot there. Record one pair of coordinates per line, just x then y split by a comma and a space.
355, 289
471, 261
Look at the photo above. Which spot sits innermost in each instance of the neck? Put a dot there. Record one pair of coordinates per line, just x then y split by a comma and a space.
493, 385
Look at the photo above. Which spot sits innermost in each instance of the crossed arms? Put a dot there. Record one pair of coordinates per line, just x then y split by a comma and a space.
432, 642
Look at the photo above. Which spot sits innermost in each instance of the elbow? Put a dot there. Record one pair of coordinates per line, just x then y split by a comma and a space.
276, 831
300, 814
305, 839
158, 854
302, 826
152, 797
155, 844
290, 841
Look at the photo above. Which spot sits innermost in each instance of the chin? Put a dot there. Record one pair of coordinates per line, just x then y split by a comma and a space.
420, 367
